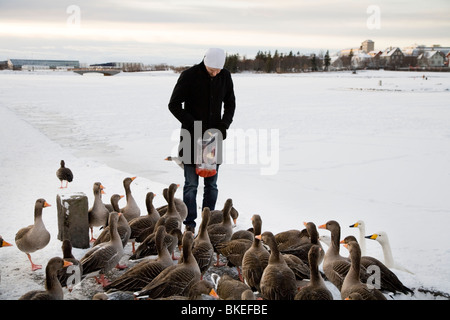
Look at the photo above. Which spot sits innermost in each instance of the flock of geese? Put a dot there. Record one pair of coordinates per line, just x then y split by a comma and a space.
282, 266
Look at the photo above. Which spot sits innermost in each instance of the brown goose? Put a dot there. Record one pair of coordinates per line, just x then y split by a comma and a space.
336, 266
172, 217
176, 279
143, 226
98, 214
69, 276
148, 246
217, 215
234, 251
203, 250
64, 174
229, 288
179, 205
352, 282
221, 232
131, 210
145, 271
316, 288
122, 227
388, 280
202, 290
291, 238
53, 289
105, 256
35, 236
278, 280
3, 243
255, 258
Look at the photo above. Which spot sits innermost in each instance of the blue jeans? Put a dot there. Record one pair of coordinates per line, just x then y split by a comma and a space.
190, 192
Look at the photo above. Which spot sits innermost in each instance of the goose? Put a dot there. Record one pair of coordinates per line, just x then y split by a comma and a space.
383, 239
148, 246
131, 210
300, 268
336, 266
122, 227
179, 205
278, 280
64, 174
221, 232
362, 235
243, 234
69, 276
53, 289
302, 250
228, 288
98, 214
352, 282
255, 258
234, 251
291, 238
177, 160
146, 270
172, 217
34, 237
316, 288
3, 243
203, 250
388, 280
217, 216
143, 226
201, 290
176, 279
105, 256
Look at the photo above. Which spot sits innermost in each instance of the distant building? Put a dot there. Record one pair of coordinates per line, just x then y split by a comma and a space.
416, 50
5, 65
33, 64
368, 46
124, 66
431, 59
392, 57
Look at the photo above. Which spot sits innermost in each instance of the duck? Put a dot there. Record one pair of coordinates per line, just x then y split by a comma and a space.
143, 226
69, 276
176, 279
300, 268
221, 232
201, 290
98, 214
217, 216
122, 227
256, 258
146, 270
234, 251
177, 160
131, 210
53, 289
316, 288
179, 205
3, 243
302, 250
382, 238
105, 256
243, 234
148, 246
362, 235
203, 250
291, 238
389, 282
34, 237
335, 266
278, 280
173, 219
352, 282
228, 288
64, 174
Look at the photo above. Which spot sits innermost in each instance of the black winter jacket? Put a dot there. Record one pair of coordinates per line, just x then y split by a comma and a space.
199, 97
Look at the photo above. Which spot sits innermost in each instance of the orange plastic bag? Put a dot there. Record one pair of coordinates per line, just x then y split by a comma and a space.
206, 160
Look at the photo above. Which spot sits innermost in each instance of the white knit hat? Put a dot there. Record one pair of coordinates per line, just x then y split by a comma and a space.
214, 58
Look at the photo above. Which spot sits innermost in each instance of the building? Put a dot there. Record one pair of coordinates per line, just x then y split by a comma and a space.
33, 64
5, 65
415, 50
392, 57
368, 46
431, 59
124, 66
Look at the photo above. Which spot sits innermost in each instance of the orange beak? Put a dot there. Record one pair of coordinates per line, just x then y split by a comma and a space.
258, 237
342, 242
132, 178
213, 293
67, 263
6, 244
305, 223
323, 226
46, 204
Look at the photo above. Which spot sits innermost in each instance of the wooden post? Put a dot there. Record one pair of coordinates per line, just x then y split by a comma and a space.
73, 221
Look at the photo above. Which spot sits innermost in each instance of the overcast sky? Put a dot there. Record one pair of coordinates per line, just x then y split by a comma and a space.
179, 31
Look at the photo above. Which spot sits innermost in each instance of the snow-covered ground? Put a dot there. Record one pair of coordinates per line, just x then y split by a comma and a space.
372, 146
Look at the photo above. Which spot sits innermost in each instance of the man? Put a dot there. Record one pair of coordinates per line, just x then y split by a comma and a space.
197, 98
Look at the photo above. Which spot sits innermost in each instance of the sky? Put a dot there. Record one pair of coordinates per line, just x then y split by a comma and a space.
178, 32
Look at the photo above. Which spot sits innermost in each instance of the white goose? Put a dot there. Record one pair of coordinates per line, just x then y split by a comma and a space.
362, 235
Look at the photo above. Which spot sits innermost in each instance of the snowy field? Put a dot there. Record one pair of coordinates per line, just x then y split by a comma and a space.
371, 146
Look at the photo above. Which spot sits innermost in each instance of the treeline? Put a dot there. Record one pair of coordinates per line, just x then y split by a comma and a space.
266, 62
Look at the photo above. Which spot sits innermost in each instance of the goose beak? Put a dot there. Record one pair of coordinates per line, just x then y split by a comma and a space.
132, 178
122, 196
234, 221
323, 226
6, 244
346, 245
355, 225
67, 263
372, 236
305, 223
342, 242
258, 237
213, 293
46, 204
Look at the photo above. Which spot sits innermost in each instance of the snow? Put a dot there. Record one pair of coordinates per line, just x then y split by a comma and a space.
371, 146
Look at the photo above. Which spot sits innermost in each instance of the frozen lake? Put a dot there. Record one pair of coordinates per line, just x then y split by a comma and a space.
373, 146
